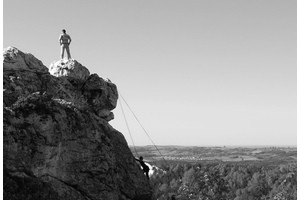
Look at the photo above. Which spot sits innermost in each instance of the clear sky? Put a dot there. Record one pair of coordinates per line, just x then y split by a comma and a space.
195, 72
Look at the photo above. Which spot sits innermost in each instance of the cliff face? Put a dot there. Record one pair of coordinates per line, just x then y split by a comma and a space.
57, 142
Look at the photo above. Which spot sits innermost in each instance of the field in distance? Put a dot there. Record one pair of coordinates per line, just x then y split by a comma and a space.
220, 154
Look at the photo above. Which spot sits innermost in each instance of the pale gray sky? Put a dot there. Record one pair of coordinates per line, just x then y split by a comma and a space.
195, 72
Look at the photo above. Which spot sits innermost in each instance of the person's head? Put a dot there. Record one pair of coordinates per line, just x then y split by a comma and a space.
141, 158
64, 31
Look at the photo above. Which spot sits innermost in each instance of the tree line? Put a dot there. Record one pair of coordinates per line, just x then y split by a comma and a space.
224, 181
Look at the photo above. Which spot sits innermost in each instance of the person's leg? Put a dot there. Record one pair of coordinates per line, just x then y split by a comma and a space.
147, 174
68, 51
62, 49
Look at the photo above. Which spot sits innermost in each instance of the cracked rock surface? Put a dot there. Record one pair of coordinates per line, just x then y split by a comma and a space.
57, 142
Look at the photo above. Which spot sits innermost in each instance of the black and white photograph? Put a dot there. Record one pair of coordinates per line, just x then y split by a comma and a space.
149, 100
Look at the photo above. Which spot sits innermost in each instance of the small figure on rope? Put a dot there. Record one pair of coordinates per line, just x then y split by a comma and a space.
144, 166
65, 41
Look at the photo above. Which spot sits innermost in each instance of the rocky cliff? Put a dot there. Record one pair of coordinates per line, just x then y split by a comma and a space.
57, 142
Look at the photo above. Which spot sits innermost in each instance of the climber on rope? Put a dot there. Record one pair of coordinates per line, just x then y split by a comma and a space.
65, 41
144, 166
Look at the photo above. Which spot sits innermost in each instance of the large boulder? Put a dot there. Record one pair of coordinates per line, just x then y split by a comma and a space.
102, 95
70, 68
57, 142
14, 59
24, 74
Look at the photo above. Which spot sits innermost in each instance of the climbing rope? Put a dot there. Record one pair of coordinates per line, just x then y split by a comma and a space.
140, 125
128, 127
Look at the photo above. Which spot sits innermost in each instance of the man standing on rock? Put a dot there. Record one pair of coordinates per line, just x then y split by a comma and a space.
64, 41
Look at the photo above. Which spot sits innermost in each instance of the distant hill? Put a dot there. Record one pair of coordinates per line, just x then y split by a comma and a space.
222, 154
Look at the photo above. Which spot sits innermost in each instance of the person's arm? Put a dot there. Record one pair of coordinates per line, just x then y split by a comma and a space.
70, 39
59, 40
137, 159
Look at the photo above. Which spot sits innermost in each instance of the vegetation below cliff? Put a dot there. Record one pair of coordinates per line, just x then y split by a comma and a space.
223, 173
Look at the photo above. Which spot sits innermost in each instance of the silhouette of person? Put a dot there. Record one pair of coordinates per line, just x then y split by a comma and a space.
65, 41
144, 166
